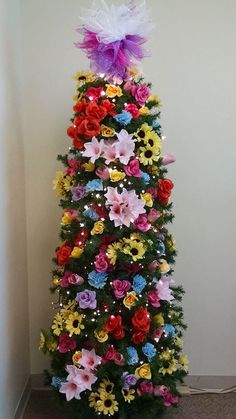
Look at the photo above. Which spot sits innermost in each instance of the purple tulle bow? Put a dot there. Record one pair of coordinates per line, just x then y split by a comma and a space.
114, 58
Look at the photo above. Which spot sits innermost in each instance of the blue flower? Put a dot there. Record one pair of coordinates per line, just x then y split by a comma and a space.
57, 382
123, 118
97, 279
90, 213
145, 177
169, 329
139, 283
94, 185
156, 123
132, 355
161, 250
149, 350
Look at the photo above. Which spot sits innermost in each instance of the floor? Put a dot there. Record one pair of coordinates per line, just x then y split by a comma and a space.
42, 406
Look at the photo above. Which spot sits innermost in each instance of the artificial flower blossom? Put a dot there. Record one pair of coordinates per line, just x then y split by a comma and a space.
125, 207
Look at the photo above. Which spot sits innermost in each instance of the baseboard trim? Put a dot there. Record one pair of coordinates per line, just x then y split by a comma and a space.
23, 400
195, 381
210, 381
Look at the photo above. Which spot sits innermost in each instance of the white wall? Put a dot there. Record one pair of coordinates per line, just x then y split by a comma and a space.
14, 349
193, 70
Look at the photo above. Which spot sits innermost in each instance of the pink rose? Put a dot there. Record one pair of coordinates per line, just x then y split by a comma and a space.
152, 267
157, 334
133, 168
153, 215
110, 354
145, 387
121, 287
66, 343
166, 394
101, 262
167, 159
141, 93
152, 191
132, 108
128, 86
154, 298
119, 359
141, 223
71, 278
103, 173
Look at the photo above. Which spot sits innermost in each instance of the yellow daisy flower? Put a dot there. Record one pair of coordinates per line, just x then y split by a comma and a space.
112, 251
68, 183
152, 140
171, 243
168, 366
67, 309
57, 325
42, 341
83, 77
58, 184
155, 98
52, 345
107, 404
133, 248
74, 323
142, 132
148, 155
106, 385
183, 361
179, 342
128, 395
93, 399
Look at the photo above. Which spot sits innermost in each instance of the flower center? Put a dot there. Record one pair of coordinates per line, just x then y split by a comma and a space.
141, 134
150, 142
134, 251
108, 403
75, 323
148, 153
108, 388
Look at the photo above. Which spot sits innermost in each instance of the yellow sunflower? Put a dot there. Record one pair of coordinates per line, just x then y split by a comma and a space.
134, 248
67, 309
68, 183
148, 155
93, 399
143, 132
83, 77
168, 367
152, 139
42, 341
52, 345
57, 325
128, 395
183, 361
107, 404
74, 323
106, 385
58, 184
112, 251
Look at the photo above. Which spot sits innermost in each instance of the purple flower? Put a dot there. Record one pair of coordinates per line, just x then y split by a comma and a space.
128, 380
78, 192
86, 299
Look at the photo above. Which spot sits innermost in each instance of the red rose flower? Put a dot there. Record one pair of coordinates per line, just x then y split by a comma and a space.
106, 240
89, 127
112, 323
141, 320
132, 268
72, 133
66, 343
96, 111
63, 254
165, 187
109, 107
81, 237
81, 106
78, 143
94, 93
110, 354
99, 210
138, 337
119, 333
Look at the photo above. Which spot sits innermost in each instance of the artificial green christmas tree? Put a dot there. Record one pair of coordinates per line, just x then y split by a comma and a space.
115, 341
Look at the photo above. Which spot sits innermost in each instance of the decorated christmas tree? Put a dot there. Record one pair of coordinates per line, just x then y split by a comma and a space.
115, 340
